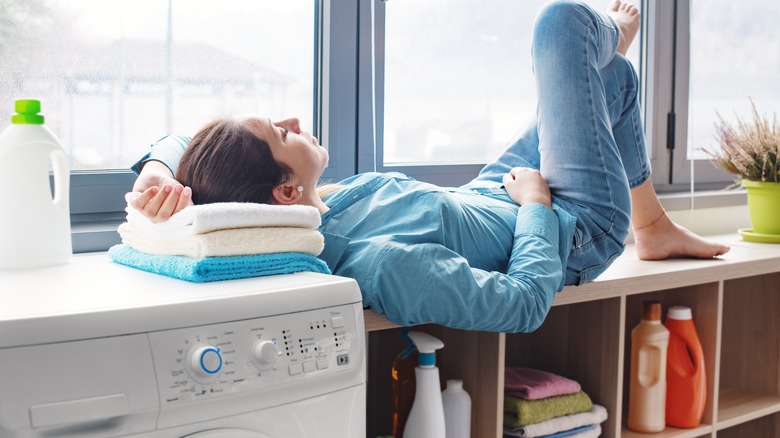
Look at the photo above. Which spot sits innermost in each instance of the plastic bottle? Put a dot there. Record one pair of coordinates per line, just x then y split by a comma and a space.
647, 390
34, 228
403, 385
686, 381
426, 419
457, 410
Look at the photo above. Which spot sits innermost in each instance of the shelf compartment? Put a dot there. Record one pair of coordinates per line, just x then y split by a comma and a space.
750, 352
704, 302
474, 357
671, 432
581, 342
736, 406
763, 427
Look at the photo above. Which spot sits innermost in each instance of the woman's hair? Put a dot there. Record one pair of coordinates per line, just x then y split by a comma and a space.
227, 162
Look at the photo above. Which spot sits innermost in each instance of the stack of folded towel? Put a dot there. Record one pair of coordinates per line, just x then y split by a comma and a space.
223, 241
542, 404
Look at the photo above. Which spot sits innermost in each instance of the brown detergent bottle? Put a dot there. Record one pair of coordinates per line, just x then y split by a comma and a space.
404, 386
647, 390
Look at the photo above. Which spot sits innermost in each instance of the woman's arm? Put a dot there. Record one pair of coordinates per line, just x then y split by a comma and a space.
156, 193
416, 284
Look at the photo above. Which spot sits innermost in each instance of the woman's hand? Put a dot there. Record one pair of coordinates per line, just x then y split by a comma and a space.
527, 186
157, 194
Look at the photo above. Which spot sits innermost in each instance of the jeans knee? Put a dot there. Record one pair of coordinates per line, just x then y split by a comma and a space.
622, 82
625, 70
560, 14
559, 23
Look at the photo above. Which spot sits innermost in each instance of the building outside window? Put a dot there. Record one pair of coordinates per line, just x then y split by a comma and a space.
114, 76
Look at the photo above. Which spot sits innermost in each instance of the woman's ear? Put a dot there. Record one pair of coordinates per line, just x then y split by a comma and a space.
286, 194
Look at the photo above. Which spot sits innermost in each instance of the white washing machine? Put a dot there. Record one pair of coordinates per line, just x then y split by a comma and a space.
94, 349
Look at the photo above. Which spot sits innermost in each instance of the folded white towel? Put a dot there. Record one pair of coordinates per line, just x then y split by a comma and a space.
230, 242
596, 414
198, 219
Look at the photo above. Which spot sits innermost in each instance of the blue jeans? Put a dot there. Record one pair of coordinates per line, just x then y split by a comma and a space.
587, 138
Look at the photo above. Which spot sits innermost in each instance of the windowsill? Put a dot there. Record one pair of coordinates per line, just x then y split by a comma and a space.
703, 199
708, 213
94, 236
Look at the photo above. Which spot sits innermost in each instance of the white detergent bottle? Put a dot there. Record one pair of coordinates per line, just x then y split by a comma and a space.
426, 419
34, 226
457, 410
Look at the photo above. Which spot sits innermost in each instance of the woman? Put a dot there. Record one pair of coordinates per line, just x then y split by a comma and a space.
553, 209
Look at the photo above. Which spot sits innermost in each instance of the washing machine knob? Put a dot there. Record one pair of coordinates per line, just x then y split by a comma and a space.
206, 363
264, 354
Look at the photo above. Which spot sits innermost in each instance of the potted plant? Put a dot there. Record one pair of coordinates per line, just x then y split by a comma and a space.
751, 150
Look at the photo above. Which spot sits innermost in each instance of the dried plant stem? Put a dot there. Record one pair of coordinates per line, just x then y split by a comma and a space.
749, 148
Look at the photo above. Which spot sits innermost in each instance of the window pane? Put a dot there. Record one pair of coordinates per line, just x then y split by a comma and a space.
458, 78
115, 75
734, 58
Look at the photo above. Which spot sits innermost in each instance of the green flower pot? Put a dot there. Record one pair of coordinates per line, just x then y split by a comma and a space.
764, 206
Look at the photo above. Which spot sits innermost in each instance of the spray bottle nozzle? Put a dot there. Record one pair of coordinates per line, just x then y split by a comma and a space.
427, 346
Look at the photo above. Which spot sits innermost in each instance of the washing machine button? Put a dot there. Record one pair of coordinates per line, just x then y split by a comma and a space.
295, 369
308, 367
337, 322
205, 363
264, 355
322, 364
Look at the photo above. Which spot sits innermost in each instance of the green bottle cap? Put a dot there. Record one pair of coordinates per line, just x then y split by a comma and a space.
27, 112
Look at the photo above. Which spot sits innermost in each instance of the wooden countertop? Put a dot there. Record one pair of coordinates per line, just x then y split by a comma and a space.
629, 275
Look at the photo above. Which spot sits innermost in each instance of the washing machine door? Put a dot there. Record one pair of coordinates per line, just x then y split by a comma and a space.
227, 433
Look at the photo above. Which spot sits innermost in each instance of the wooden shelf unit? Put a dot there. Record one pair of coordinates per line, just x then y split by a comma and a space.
587, 337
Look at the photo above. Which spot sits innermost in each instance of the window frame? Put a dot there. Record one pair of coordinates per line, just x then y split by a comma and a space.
337, 85
97, 205
668, 78
371, 110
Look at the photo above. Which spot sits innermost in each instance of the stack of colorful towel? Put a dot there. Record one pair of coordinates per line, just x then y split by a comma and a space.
223, 241
546, 405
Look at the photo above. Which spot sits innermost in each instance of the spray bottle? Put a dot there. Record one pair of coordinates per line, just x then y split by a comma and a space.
426, 419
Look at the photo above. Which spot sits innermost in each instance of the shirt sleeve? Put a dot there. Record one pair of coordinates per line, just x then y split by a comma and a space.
167, 150
429, 283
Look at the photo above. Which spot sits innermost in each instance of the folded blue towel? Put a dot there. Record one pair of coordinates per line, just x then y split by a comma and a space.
590, 430
571, 432
207, 269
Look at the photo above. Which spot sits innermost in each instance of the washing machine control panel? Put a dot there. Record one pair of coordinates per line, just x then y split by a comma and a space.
209, 361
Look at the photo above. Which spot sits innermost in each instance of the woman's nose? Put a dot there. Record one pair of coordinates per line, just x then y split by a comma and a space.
293, 124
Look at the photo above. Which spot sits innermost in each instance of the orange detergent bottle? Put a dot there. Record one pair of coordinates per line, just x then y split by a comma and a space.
686, 387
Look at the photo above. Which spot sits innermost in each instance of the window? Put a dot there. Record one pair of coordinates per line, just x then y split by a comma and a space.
734, 59
114, 76
706, 57
433, 89
458, 81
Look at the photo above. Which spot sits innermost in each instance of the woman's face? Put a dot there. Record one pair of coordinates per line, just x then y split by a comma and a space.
291, 146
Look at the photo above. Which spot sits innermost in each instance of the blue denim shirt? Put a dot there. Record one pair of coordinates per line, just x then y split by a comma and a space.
467, 258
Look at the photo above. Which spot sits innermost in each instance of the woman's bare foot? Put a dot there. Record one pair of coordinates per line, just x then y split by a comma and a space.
664, 239
627, 18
